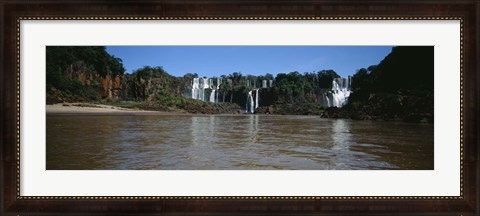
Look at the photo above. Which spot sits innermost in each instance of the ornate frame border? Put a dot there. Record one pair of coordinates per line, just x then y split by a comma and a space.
12, 12
236, 197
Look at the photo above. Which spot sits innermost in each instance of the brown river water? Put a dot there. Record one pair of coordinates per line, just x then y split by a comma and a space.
234, 142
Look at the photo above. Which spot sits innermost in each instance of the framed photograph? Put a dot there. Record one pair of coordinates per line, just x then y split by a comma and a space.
235, 107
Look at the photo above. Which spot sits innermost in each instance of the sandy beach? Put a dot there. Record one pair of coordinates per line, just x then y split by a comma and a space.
98, 109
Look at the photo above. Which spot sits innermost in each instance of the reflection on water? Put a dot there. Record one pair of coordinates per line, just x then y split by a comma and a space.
234, 142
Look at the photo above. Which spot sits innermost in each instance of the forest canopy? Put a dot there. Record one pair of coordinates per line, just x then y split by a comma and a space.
92, 58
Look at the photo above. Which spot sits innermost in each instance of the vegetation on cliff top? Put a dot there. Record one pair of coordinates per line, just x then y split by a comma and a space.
92, 60
399, 87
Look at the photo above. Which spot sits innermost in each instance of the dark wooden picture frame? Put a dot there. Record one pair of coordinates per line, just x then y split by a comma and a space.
13, 204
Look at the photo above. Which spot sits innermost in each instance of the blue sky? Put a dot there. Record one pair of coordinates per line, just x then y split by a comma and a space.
213, 61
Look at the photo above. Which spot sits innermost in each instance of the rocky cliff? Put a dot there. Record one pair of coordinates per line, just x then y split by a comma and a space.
84, 84
82, 73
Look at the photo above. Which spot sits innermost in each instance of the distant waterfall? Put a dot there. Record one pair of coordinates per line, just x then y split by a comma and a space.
215, 87
256, 100
338, 95
212, 96
249, 106
219, 82
252, 101
200, 84
196, 88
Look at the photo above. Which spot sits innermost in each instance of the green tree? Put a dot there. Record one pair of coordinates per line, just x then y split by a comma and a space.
325, 78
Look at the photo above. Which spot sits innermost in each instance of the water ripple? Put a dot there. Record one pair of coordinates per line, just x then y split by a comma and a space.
243, 142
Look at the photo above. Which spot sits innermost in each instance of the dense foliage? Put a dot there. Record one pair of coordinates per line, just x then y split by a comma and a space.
88, 59
399, 87
295, 88
149, 83
404, 69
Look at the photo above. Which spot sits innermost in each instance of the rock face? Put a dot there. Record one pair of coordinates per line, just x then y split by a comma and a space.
111, 87
108, 87
82, 73
387, 107
82, 83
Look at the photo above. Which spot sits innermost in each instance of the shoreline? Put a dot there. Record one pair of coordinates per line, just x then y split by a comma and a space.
90, 109
68, 109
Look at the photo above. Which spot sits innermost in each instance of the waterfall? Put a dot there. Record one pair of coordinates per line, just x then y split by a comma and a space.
212, 96
195, 88
200, 84
338, 95
250, 105
198, 89
219, 82
201, 93
256, 100
206, 83
251, 102
210, 84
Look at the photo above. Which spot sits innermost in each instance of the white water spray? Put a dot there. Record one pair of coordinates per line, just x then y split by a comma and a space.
256, 100
338, 95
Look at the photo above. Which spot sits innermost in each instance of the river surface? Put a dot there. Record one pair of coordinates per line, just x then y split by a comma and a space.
234, 142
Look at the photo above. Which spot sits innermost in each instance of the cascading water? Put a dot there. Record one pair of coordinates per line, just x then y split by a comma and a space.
206, 83
212, 96
256, 100
219, 82
249, 105
200, 84
338, 95
201, 92
252, 103
196, 88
